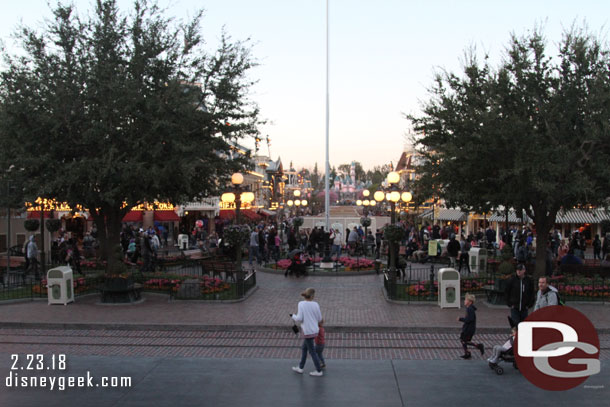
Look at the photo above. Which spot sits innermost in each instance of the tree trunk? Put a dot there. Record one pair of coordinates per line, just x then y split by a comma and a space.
544, 223
108, 222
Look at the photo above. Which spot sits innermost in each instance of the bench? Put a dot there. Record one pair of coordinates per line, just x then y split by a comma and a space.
494, 296
195, 254
120, 290
221, 269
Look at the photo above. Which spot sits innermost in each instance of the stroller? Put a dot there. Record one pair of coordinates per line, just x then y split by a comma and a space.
506, 354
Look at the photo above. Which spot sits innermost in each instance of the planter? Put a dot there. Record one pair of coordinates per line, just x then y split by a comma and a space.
500, 284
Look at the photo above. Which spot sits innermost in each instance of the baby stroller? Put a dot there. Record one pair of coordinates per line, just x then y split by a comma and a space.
506, 353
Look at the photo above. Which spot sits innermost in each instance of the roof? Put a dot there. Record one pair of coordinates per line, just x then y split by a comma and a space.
453, 215
576, 216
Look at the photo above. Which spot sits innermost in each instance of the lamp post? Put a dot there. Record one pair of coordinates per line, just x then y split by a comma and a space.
237, 196
393, 195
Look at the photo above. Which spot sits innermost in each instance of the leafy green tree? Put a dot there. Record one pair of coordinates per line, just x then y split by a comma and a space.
112, 110
531, 134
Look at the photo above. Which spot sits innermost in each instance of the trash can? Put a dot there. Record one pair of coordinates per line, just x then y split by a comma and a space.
478, 259
448, 288
60, 287
183, 242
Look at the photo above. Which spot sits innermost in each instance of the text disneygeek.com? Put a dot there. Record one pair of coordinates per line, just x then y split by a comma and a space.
24, 369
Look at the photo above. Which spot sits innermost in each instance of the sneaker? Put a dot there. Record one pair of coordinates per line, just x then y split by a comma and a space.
466, 356
297, 369
316, 373
481, 348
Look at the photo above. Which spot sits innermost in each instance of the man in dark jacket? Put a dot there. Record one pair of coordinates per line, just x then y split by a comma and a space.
453, 248
519, 294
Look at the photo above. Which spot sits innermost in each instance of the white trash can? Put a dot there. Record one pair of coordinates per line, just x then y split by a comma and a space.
448, 288
478, 259
183, 242
60, 285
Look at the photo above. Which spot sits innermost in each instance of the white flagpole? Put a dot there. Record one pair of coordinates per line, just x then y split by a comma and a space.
327, 192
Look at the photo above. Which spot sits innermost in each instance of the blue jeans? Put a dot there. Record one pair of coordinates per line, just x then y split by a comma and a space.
308, 346
336, 249
517, 315
319, 350
253, 252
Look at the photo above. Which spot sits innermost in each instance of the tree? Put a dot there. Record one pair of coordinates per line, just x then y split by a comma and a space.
315, 177
113, 111
531, 135
360, 173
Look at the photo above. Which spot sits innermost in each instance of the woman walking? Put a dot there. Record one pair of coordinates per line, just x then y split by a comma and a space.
310, 316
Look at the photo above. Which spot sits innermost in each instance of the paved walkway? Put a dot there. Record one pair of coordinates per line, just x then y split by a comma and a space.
354, 302
269, 382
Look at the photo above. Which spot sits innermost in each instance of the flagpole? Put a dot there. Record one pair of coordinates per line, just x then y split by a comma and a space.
327, 192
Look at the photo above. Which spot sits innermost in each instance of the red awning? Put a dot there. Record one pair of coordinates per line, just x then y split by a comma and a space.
250, 214
36, 214
246, 213
133, 216
166, 216
226, 214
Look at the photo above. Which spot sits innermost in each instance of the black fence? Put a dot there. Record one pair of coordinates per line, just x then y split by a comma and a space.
413, 284
179, 280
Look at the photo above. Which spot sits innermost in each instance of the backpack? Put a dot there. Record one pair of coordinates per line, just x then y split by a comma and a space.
560, 301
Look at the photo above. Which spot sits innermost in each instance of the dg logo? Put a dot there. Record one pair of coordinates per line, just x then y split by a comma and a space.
557, 348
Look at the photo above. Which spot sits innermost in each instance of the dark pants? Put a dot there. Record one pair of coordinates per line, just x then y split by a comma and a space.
466, 341
319, 350
517, 315
464, 257
308, 346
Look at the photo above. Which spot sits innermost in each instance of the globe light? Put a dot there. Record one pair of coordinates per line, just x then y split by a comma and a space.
394, 196
366, 192
379, 195
289, 203
388, 196
297, 202
393, 178
228, 197
304, 202
372, 202
358, 202
365, 202
297, 193
406, 197
247, 197
237, 179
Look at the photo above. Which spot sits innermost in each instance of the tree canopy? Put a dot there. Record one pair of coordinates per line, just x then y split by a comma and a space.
110, 110
531, 134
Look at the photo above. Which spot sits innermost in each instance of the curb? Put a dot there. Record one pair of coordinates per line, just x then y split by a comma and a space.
250, 328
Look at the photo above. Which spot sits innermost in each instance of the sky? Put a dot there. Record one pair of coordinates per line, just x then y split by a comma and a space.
383, 57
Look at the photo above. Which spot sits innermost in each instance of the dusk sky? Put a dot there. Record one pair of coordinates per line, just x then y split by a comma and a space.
383, 55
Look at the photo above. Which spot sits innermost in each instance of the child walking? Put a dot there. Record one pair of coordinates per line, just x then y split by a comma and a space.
469, 327
319, 344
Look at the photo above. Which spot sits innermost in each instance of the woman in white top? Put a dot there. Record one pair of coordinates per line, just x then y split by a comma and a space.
309, 315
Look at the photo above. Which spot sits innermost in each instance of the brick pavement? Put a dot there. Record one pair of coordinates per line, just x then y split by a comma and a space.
355, 302
244, 344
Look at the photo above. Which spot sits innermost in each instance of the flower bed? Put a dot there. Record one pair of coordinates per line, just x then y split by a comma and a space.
582, 288
349, 263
